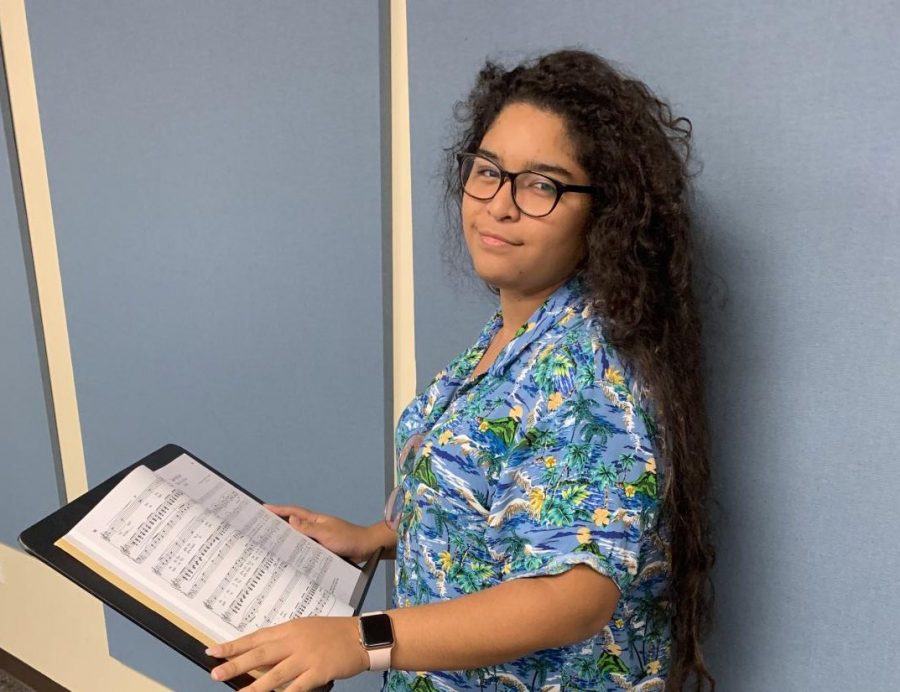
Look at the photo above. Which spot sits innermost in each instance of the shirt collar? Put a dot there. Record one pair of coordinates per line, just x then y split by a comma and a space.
564, 307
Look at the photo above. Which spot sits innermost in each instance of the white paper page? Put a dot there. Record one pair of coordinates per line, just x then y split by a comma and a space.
199, 566
271, 532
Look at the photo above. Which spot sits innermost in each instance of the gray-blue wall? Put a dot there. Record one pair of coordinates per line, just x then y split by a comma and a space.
794, 107
27, 476
215, 171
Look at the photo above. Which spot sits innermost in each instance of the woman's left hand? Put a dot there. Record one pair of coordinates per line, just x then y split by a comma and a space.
311, 651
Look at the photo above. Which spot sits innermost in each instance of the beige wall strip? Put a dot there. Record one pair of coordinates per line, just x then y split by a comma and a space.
58, 629
41, 610
404, 334
36, 198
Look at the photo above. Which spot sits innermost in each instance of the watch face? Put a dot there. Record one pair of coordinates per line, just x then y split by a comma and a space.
376, 631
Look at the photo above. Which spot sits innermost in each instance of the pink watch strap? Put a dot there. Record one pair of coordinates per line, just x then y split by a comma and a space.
380, 659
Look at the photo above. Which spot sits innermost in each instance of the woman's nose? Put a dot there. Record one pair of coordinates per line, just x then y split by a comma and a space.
502, 205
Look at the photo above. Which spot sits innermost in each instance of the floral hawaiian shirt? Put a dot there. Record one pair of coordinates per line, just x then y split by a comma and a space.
542, 463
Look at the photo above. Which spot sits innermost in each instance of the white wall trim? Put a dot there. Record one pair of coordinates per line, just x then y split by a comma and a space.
403, 328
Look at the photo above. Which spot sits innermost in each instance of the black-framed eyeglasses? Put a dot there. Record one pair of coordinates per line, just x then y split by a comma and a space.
534, 194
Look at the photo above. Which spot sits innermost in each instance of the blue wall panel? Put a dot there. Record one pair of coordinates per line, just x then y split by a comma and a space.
216, 179
28, 488
794, 108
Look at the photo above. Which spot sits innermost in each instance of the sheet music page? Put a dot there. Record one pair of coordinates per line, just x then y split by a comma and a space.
267, 530
210, 553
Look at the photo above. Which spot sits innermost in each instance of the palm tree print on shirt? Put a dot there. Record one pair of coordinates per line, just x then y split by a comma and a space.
543, 462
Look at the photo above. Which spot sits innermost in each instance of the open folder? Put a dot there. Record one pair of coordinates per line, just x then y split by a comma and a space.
192, 557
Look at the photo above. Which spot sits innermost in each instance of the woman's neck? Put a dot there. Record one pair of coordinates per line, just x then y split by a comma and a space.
517, 307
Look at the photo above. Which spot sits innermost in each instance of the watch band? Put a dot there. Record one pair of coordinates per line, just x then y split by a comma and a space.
380, 659
379, 654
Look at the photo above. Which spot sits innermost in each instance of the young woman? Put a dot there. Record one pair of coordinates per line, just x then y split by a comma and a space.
550, 525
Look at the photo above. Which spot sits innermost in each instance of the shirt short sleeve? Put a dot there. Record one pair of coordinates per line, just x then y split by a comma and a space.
578, 487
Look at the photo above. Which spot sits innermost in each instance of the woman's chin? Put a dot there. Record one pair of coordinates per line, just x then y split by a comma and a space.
496, 280
492, 272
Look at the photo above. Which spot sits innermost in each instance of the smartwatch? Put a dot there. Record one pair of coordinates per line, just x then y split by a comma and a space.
376, 634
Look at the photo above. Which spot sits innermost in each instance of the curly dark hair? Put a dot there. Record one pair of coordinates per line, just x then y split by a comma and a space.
639, 275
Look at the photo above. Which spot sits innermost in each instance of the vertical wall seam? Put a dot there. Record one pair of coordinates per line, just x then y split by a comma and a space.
39, 239
387, 263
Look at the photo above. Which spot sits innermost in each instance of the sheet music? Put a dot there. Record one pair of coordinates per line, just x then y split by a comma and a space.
210, 553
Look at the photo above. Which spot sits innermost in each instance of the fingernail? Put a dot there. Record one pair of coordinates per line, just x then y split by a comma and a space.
211, 651
216, 675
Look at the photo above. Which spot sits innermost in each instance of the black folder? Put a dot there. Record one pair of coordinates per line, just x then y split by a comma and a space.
39, 540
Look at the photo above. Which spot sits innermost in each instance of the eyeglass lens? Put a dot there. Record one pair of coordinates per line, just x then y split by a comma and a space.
533, 193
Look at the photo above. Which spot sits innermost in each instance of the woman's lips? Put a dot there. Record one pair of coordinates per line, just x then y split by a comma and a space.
492, 240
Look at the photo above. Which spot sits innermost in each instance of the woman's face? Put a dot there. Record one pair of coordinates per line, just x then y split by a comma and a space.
512, 251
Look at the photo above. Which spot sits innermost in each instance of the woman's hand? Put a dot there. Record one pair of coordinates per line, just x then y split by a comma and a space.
342, 537
311, 651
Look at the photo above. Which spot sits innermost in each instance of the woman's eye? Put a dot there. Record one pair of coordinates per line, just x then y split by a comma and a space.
488, 172
544, 187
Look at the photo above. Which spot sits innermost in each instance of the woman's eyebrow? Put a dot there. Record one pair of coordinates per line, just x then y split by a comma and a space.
536, 166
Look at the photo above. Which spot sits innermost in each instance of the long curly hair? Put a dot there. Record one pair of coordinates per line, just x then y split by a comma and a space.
638, 272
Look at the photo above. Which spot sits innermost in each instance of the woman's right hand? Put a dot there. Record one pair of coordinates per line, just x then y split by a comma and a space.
341, 537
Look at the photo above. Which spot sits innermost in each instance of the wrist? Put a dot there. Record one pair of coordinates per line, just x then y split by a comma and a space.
376, 637
357, 646
382, 536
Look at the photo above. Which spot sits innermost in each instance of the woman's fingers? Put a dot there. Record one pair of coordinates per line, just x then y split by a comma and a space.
305, 526
284, 672
288, 510
258, 657
305, 683
235, 647
303, 653
288, 671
